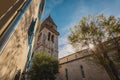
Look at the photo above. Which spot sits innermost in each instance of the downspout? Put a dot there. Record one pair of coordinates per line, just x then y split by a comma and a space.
13, 27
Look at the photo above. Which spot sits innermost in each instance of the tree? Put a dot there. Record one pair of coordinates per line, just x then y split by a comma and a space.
44, 67
112, 26
90, 30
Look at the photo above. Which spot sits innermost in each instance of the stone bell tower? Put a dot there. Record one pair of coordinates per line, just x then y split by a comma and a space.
48, 38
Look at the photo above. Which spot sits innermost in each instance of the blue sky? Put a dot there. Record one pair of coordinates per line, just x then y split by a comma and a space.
67, 13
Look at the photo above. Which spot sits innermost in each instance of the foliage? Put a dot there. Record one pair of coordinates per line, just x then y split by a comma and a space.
92, 29
96, 30
112, 26
44, 67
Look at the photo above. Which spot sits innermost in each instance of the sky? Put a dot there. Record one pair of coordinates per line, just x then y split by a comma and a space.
67, 13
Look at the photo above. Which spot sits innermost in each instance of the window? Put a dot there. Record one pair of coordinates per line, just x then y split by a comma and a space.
82, 71
49, 36
66, 73
52, 38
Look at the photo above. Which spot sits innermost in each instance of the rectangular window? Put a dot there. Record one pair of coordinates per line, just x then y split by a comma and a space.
66, 73
82, 71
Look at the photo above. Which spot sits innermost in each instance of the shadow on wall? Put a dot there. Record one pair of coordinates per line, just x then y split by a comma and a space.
17, 76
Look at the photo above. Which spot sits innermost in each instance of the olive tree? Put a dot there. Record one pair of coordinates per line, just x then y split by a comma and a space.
112, 26
90, 30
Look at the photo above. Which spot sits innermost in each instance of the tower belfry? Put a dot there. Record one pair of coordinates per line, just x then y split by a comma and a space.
48, 37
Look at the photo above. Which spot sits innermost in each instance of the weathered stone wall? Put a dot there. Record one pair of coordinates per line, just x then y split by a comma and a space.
47, 45
14, 56
80, 68
91, 71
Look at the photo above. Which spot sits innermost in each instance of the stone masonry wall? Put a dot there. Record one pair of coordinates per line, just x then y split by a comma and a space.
78, 67
48, 46
14, 56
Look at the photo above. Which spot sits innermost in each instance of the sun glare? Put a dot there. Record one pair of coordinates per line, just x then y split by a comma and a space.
91, 46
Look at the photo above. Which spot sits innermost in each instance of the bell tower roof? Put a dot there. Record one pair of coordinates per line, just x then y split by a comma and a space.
49, 24
49, 19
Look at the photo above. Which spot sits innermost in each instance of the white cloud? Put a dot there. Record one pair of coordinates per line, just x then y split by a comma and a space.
64, 47
63, 40
66, 50
64, 35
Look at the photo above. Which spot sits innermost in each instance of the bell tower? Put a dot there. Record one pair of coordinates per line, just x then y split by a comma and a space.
48, 38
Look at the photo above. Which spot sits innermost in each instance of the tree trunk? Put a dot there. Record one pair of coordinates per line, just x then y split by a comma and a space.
116, 42
110, 72
109, 66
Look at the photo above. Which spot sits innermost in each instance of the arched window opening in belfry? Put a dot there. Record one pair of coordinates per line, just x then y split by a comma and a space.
52, 38
49, 35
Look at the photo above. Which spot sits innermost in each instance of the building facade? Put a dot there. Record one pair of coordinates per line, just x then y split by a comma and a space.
48, 38
15, 55
82, 66
77, 66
